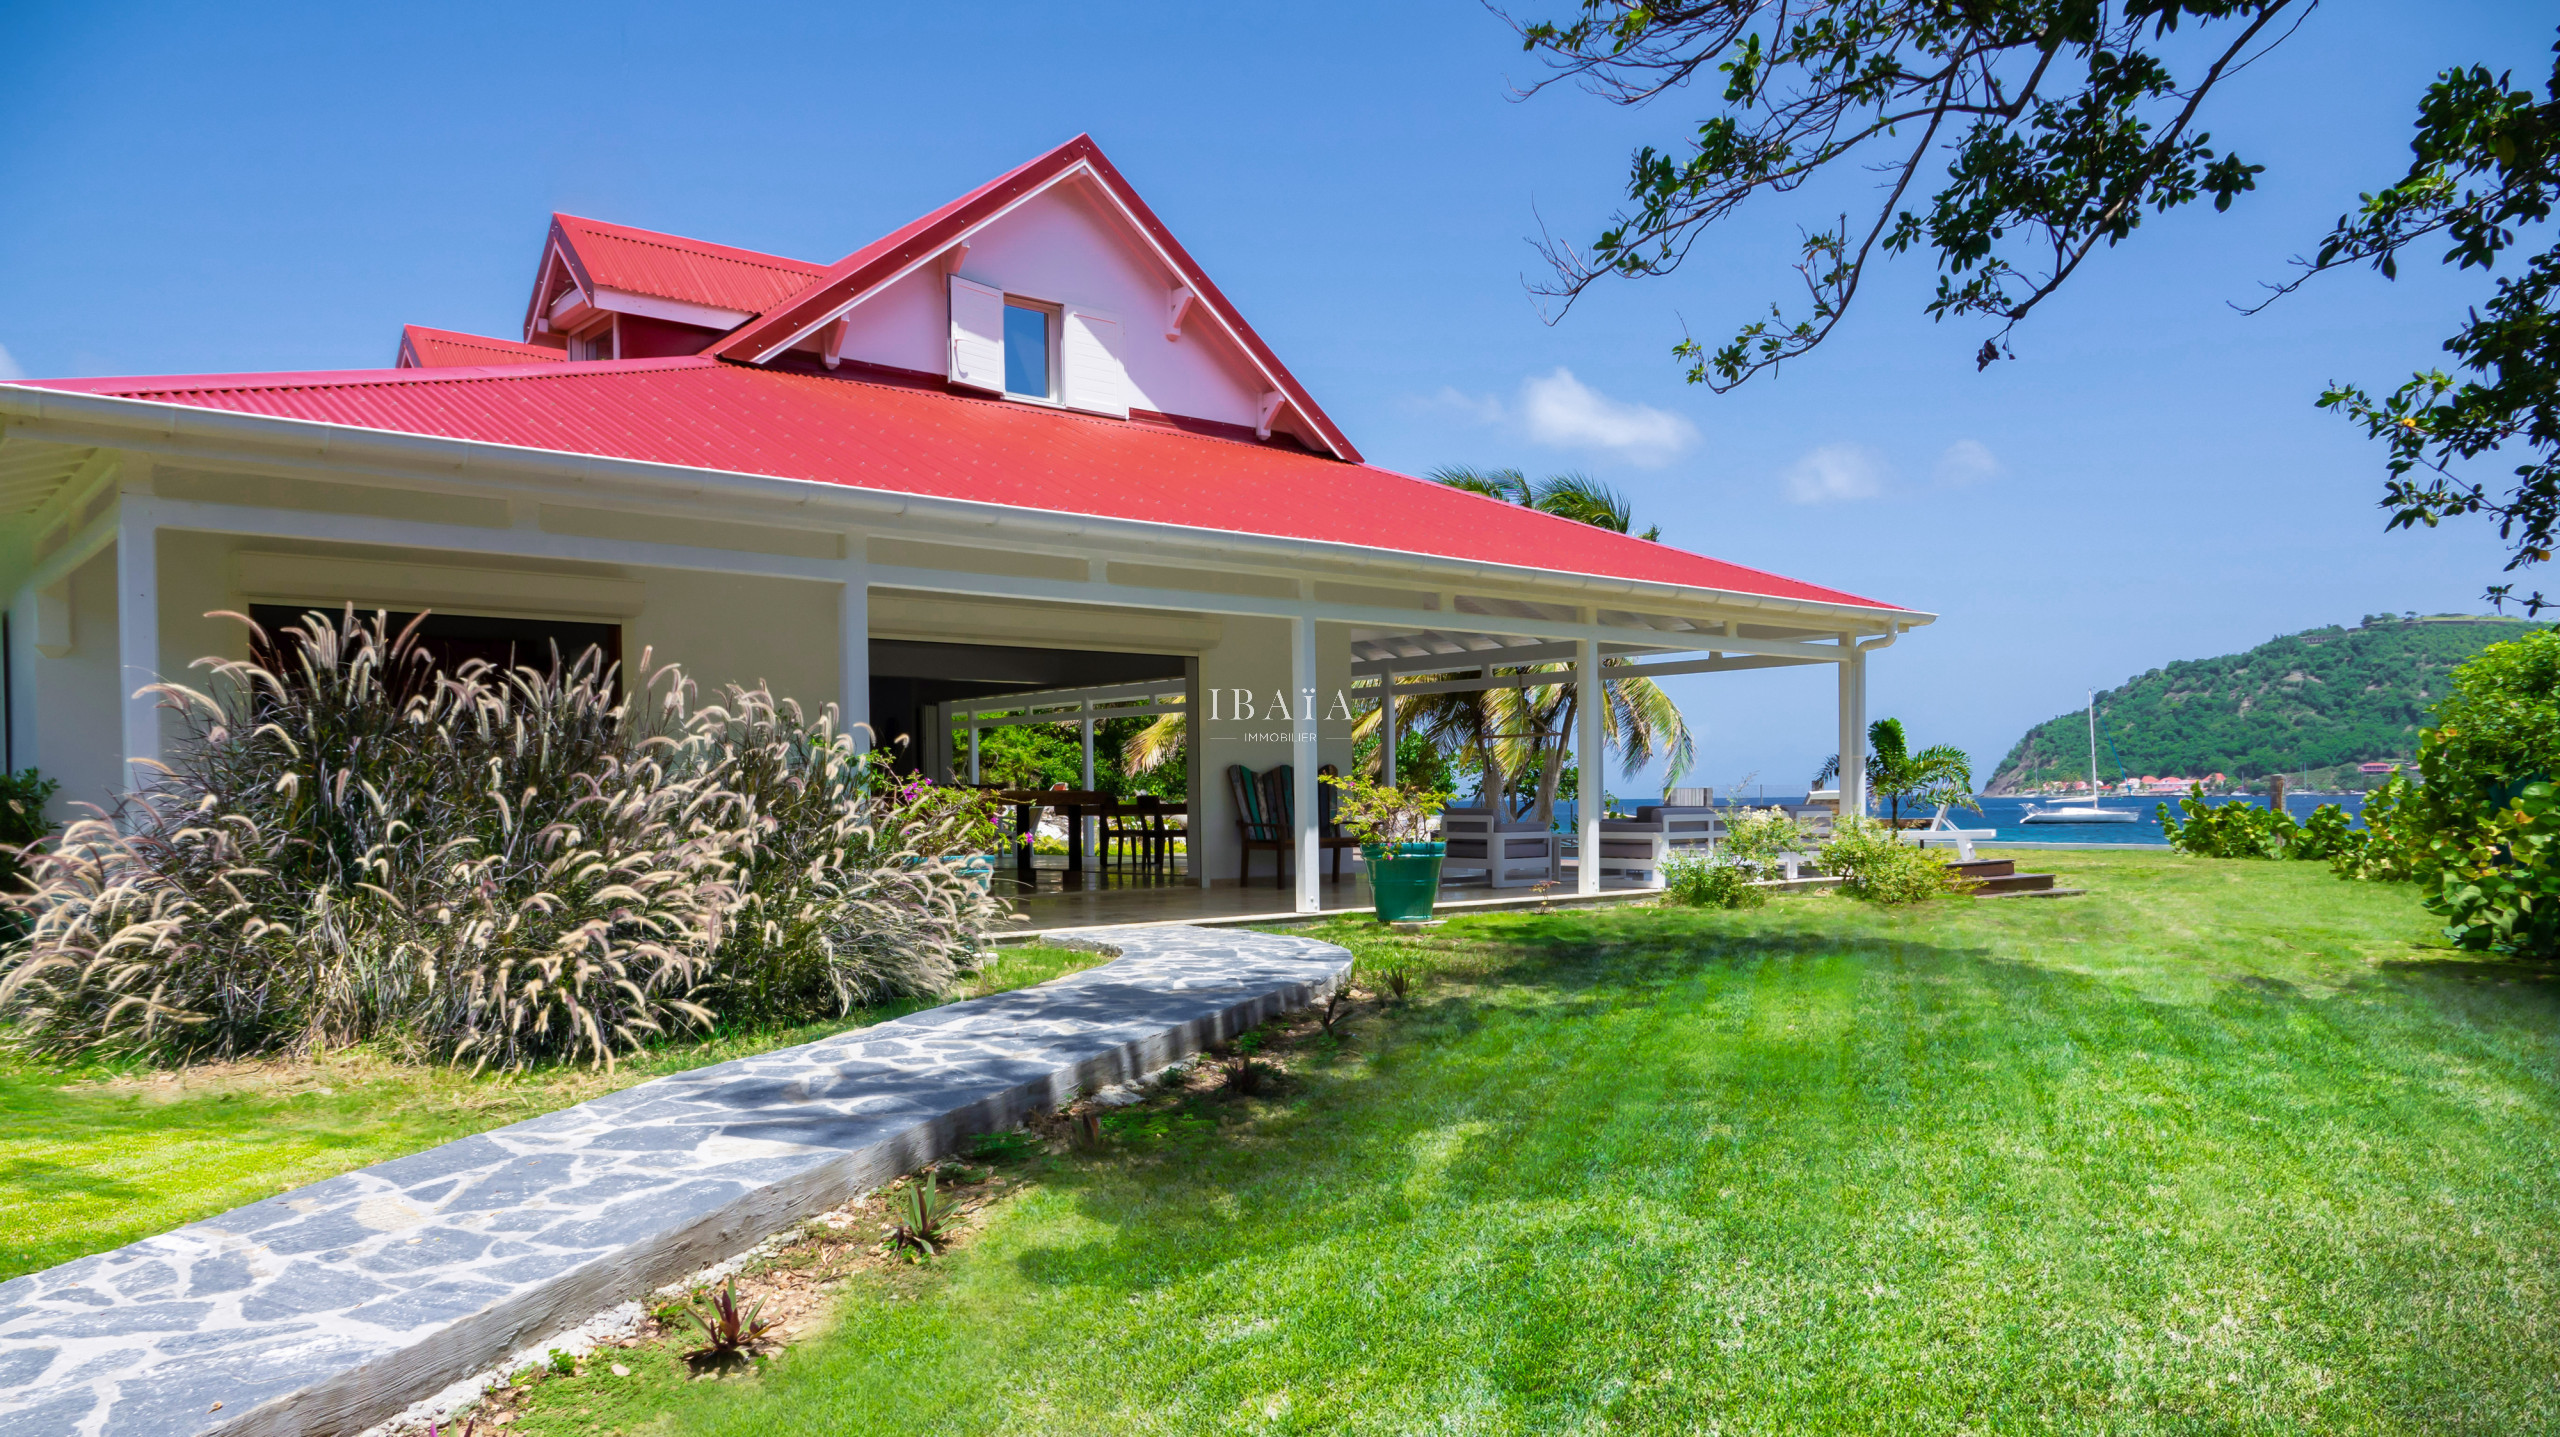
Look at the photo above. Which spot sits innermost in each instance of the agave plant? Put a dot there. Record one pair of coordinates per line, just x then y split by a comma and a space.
727, 1327
924, 1219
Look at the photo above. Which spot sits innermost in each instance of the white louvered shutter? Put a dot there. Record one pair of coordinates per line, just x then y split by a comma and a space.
977, 335
1093, 378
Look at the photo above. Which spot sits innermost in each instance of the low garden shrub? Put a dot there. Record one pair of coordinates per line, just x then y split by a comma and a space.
498, 867
1759, 839
2482, 813
2474, 828
1875, 866
1700, 881
2387, 849
2245, 830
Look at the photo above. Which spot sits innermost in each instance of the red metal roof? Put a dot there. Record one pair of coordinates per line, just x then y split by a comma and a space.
673, 267
701, 413
424, 348
763, 337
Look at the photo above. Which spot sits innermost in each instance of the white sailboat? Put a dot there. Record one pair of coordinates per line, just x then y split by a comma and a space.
2088, 812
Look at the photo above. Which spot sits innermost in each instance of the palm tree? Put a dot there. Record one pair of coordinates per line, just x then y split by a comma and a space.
1513, 731
1940, 773
1569, 495
1517, 731
1156, 745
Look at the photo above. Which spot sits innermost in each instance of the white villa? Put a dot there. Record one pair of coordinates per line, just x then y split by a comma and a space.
1022, 445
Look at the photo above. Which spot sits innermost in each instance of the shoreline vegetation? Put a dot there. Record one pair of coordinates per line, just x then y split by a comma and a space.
2307, 705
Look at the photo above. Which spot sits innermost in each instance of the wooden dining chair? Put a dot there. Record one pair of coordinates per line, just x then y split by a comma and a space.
1261, 822
1136, 831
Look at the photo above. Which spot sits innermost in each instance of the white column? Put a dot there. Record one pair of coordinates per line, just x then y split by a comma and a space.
973, 746
1303, 759
1591, 796
1195, 742
1387, 729
1090, 824
138, 633
1853, 728
853, 656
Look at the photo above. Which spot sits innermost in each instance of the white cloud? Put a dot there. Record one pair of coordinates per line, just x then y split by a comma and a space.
1562, 411
1836, 472
1482, 408
9, 367
1965, 463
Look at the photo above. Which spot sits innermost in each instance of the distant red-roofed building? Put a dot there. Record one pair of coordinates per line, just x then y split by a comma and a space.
1020, 446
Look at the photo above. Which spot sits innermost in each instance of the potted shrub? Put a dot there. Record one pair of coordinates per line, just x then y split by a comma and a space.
1394, 829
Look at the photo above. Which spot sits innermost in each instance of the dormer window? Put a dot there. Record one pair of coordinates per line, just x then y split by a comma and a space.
598, 345
1026, 351
1067, 355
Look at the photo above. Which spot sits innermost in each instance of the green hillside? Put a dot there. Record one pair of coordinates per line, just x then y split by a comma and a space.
2292, 705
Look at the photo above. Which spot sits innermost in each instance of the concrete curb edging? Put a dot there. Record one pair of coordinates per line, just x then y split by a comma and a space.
323, 1311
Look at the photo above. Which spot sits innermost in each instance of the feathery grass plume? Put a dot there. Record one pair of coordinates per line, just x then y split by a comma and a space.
495, 866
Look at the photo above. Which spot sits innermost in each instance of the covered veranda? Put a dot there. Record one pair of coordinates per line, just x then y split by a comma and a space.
1376, 670
1271, 598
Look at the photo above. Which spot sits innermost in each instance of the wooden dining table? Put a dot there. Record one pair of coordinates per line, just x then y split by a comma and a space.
1073, 803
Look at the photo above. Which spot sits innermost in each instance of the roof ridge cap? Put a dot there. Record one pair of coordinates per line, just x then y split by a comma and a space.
660, 239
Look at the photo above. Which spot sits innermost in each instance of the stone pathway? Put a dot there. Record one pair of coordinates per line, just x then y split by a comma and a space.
324, 1310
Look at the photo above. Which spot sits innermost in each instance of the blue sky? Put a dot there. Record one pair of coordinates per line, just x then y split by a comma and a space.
265, 187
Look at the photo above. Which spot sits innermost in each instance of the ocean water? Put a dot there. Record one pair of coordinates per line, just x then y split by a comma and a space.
2003, 814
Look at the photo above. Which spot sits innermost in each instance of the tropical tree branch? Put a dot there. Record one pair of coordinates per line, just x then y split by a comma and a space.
1810, 83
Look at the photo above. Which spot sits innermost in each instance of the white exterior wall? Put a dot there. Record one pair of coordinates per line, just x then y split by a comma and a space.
722, 628
1061, 247
1253, 654
905, 326
737, 628
67, 713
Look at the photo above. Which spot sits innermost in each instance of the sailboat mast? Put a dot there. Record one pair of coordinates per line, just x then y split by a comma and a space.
2093, 744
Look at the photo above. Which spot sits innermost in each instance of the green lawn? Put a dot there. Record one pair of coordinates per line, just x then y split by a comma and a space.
93, 1159
2222, 1147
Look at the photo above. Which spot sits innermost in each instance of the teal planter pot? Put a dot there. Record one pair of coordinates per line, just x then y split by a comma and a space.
977, 868
1404, 879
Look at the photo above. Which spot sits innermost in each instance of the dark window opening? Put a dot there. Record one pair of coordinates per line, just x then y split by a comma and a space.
453, 640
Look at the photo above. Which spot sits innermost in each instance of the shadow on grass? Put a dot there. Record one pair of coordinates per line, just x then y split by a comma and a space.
2543, 975
1344, 1144
38, 1178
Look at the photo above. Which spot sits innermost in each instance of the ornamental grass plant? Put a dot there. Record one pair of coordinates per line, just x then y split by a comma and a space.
500, 867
